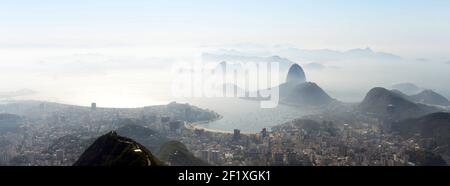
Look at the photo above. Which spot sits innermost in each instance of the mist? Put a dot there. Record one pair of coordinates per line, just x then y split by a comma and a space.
135, 77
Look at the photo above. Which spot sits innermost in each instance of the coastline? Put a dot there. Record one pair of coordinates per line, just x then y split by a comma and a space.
197, 125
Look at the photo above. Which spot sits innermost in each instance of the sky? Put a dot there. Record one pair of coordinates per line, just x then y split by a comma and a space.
406, 27
112, 51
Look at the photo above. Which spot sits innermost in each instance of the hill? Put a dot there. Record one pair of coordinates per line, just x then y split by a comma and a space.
304, 94
386, 104
143, 135
114, 150
430, 97
173, 152
407, 88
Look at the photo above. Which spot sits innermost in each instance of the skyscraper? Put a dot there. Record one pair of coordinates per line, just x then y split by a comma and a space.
263, 133
236, 135
93, 106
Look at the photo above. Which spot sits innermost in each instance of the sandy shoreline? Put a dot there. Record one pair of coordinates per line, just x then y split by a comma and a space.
197, 125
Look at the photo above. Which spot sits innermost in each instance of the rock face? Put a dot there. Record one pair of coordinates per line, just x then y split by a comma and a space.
114, 150
296, 74
387, 104
430, 97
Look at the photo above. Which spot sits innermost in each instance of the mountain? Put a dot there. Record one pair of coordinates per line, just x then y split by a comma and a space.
430, 97
175, 153
307, 93
241, 58
403, 95
387, 104
305, 55
189, 113
325, 55
407, 88
114, 150
297, 92
234, 61
151, 139
296, 74
73, 144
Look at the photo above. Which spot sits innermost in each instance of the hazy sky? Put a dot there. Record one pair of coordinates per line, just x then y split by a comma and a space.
112, 51
417, 28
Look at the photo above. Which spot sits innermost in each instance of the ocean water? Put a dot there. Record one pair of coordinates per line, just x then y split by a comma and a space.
247, 115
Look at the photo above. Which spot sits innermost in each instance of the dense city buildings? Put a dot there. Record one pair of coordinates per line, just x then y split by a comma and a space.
55, 134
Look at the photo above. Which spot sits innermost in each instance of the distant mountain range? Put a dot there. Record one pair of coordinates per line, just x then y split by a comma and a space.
407, 88
430, 97
231, 61
114, 150
323, 55
242, 59
312, 55
423, 96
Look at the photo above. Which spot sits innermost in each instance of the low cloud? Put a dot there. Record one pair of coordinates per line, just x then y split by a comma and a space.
314, 66
18, 93
89, 64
